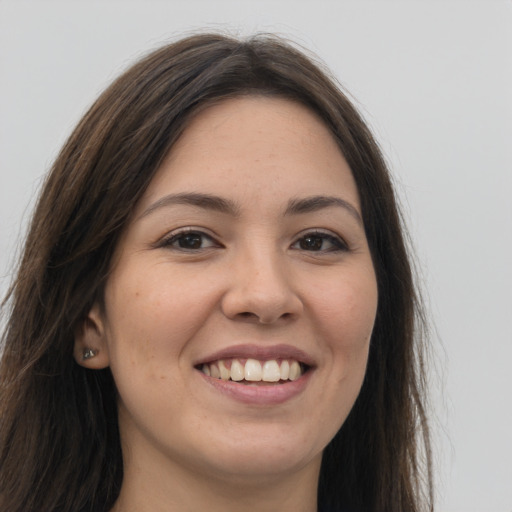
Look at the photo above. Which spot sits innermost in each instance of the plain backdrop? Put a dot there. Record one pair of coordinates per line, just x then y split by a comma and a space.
433, 79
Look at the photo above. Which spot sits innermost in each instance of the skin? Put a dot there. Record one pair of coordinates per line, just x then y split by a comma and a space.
258, 276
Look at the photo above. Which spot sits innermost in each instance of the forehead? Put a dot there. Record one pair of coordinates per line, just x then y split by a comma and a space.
247, 146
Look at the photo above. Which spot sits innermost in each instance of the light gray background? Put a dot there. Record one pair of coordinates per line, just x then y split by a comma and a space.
433, 78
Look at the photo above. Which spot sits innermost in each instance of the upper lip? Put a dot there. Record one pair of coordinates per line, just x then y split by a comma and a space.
262, 353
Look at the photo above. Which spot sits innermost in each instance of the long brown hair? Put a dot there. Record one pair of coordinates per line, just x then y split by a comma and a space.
59, 440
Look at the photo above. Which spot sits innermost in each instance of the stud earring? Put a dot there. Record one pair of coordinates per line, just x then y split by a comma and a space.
89, 353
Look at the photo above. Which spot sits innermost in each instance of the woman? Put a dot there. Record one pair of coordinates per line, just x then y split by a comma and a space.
215, 306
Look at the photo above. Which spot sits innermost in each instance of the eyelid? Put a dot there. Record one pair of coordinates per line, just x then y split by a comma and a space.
338, 241
167, 240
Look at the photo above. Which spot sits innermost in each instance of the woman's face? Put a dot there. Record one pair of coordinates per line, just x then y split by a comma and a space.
242, 298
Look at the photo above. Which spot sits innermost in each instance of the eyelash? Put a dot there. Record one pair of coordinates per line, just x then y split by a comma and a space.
182, 234
337, 243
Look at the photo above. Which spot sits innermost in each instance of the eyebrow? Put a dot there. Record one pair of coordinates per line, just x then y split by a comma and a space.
315, 203
205, 201
222, 205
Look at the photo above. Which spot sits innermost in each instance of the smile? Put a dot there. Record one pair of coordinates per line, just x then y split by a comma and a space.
260, 375
254, 370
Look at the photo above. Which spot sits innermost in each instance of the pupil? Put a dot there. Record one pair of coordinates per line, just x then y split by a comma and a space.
311, 243
190, 241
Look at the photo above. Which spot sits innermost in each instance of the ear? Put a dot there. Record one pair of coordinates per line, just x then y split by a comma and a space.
91, 349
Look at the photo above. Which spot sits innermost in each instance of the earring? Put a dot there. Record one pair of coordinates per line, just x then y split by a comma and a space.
89, 353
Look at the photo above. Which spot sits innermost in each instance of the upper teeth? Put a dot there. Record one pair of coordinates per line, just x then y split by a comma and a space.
253, 370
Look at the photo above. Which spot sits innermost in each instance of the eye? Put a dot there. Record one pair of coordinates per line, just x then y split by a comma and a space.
189, 240
319, 241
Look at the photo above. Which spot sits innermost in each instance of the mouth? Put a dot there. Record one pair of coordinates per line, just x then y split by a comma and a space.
258, 375
256, 372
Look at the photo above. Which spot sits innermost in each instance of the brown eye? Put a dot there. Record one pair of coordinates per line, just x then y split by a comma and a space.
189, 241
311, 243
320, 242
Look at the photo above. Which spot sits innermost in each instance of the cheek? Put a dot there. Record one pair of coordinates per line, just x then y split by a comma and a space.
346, 315
156, 310
149, 323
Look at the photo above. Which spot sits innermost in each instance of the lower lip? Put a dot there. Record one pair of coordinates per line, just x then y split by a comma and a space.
259, 395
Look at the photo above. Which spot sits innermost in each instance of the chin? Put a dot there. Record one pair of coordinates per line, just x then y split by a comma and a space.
264, 454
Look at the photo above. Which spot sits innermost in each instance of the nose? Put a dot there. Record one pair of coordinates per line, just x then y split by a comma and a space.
261, 290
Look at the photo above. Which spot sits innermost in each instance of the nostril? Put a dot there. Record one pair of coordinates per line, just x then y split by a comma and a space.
247, 315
